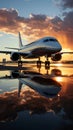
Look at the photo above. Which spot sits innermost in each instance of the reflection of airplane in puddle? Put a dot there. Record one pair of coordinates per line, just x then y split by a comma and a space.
45, 86
42, 84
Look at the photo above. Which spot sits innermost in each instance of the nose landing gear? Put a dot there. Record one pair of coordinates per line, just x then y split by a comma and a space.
20, 63
47, 63
39, 63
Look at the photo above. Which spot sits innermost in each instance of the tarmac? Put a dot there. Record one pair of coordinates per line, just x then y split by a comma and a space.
3, 67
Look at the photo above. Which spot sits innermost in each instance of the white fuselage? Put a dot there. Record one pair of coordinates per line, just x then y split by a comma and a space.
42, 47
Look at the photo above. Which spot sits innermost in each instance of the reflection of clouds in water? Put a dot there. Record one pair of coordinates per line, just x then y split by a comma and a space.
8, 84
1, 90
13, 87
32, 101
10, 103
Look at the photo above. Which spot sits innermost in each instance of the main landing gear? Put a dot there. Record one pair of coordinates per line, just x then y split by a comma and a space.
47, 63
20, 63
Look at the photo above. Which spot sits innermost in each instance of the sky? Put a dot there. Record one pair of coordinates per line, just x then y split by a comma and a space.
35, 19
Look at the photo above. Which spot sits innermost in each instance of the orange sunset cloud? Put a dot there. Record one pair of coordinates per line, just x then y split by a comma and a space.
37, 26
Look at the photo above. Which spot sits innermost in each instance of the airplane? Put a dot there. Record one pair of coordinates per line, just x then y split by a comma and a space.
47, 46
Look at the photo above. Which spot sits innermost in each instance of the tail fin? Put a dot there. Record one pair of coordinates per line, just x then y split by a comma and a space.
20, 41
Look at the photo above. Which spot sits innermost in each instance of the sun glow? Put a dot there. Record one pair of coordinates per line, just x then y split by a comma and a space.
59, 79
58, 64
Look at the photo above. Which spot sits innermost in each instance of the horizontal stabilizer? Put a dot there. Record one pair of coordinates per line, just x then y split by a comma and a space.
12, 48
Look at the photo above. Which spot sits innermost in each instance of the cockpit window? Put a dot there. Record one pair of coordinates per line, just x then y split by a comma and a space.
30, 43
52, 39
46, 40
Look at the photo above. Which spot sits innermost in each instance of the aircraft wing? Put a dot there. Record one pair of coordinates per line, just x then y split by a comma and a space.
66, 53
9, 52
6, 52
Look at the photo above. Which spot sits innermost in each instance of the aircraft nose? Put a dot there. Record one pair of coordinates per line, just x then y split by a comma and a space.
59, 47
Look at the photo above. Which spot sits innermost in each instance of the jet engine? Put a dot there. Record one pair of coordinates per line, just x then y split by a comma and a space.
15, 74
56, 57
14, 56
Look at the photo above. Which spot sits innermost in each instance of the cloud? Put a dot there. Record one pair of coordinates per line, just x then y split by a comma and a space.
67, 3
9, 20
1, 35
29, 100
67, 23
38, 26
64, 3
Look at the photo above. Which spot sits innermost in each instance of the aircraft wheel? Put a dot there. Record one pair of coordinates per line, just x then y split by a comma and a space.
19, 63
15, 74
38, 63
47, 63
